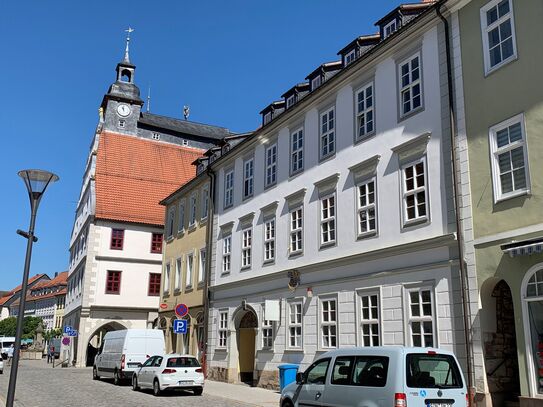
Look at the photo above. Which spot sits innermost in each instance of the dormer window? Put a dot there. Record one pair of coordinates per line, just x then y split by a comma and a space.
185, 142
267, 118
350, 57
290, 101
315, 82
200, 168
390, 28
156, 136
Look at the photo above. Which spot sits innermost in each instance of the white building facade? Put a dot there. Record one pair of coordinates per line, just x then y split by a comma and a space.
338, 215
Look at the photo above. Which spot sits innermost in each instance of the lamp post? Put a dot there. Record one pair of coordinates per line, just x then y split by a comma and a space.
36, 182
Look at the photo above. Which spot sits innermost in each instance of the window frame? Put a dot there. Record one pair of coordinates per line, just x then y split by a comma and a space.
388, 25
222, 329
170, 221
484, 34
202, 259
331, 219
359, 114
204, 203
178, 278
181, 216
417, 219
246, 247
267, 326
268, 166
116, 239
154, 243
290, 101
109, 280
189, 271
495, 152
297, 155
410, 86
152, 283
329, 134
371, 321
316, 82
193, 208
269, 240
226, 254
228, 190
295, 325
322, 323
421, 318
166, 280
350, 57
296, 230
248, 179
359, 208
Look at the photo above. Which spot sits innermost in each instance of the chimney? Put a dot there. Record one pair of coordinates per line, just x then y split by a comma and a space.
56, 273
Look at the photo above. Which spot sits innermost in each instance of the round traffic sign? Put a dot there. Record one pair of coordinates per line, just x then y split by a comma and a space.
163, 306
66, 341
181, 310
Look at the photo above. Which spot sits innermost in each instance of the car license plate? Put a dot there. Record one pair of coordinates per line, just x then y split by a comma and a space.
185, 382
133, 364
440, 405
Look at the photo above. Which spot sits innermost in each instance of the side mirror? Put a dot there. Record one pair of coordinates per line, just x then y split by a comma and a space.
299, 378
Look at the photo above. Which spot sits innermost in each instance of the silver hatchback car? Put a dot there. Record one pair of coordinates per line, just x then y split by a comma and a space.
379, 376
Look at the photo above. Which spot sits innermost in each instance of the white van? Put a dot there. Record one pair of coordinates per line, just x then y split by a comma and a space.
380, 376
123, 352
5, 344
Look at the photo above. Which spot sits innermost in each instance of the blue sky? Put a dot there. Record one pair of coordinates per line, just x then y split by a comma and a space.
226, 59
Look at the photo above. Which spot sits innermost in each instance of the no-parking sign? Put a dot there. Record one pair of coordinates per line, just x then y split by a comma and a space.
181, 310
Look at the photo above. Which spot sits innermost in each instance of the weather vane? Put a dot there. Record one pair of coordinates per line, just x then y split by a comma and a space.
186, 112
128, 31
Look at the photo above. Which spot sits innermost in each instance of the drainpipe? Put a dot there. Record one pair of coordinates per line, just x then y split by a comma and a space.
207, 275
460, 235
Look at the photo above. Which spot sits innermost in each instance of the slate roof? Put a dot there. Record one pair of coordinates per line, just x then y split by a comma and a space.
134, 174
184, 126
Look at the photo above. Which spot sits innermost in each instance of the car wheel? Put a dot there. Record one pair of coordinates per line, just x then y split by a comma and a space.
116, 378
95, 373
156, 388
135, 386
287, 403
198, 391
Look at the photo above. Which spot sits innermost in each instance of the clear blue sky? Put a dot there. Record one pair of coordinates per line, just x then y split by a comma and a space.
226, 59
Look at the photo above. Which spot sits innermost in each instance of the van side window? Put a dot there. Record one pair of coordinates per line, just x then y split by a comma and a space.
316, 373
370, 371
343, 368
432, 371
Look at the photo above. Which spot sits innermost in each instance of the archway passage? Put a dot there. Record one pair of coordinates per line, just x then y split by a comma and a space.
501, 357
246, 346
97, 339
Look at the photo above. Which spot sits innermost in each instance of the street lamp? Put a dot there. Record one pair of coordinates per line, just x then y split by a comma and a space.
36, 182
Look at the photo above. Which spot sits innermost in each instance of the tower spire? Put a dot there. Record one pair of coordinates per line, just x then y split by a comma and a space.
126, 51
149, 100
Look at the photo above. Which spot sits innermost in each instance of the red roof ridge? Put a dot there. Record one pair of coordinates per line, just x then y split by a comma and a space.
162, 143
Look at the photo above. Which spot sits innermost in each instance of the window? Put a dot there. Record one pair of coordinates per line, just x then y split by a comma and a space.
166, 288
533, 307
267, 332
369, 319
246, 244
181, 220
509, 158
390, 28
316, 373
295, 325
328, 220
364, 111
156, 136
327, 138
350, 57
421, 322
192, 219
269, 240
297, 151
366, 208
205, 202
228, 189
202, 268
271, 165
185, 142
410, 85
190, 268
498, 29
432, 371
226, 253
170, 223
117, 239
267, 118
122, 124
154, 284
328, 323
248, 178
370, 371
342, 371
178, 268
223, 328
296, 231
290, 101
113, 282
156, 243
414, 191
315, 82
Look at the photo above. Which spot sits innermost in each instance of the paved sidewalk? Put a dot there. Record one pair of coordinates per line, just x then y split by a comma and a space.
242, 393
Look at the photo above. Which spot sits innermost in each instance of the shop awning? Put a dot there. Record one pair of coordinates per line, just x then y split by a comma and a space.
523, 247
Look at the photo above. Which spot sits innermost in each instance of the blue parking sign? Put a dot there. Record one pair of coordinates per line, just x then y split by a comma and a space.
67, 329
179, 326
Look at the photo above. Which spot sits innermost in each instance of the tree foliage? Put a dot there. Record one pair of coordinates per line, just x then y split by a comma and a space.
8, 326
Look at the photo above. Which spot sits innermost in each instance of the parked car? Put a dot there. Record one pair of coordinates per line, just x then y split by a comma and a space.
124, 351
170, 372
5, 343
385, 376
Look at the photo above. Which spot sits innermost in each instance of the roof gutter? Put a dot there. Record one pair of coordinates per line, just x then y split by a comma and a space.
460, 234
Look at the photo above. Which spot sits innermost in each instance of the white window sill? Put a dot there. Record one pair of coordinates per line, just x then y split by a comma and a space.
326, 245
490, 71
292, 350
511, 195
416, 221
366, 235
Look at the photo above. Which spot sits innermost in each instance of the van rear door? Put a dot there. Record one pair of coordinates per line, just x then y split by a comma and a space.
434, 379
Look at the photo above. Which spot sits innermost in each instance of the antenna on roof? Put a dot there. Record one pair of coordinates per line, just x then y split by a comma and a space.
149, 99
186, 112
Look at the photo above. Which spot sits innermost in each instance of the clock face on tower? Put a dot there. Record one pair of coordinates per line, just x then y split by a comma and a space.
123, 110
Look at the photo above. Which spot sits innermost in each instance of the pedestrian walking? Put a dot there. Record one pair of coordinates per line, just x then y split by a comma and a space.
50, 353
11, 349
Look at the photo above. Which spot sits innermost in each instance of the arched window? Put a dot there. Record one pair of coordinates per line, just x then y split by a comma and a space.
534, 308
126, 75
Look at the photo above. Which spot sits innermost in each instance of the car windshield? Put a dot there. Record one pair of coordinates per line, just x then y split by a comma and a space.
182, 361
432, 370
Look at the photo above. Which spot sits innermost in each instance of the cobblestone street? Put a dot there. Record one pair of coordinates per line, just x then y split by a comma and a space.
39, 385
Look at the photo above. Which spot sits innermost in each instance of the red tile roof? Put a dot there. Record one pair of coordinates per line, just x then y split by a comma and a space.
133, 175
60, 279
16, 289
4, 299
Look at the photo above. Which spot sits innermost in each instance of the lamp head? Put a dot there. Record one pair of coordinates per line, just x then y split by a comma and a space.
36, 181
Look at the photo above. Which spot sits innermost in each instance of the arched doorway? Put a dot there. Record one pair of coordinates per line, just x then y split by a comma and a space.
97, 339
248, 323
500, 345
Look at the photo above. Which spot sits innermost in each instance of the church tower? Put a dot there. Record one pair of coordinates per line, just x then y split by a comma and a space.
121, 106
